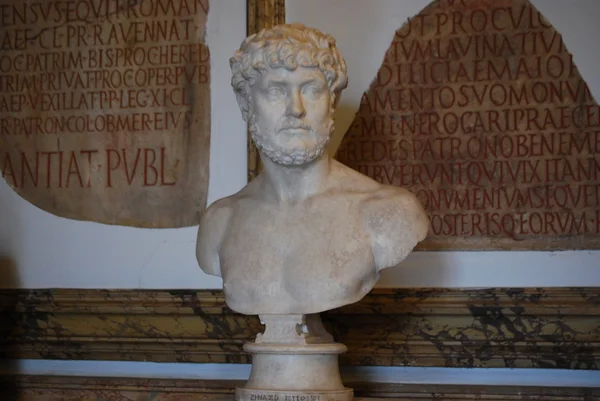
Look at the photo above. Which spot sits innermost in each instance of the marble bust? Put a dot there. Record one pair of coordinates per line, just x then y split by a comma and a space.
308, 234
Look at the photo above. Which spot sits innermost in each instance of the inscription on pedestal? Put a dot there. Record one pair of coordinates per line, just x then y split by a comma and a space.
480, 111
242, 394
283, 397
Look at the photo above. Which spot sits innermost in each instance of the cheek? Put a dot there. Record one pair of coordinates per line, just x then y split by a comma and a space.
270, 112
264, 123
321, 110
320, 114
264, 117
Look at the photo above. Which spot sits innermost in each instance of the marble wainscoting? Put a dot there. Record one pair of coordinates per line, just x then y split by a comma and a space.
49, 388
556, 328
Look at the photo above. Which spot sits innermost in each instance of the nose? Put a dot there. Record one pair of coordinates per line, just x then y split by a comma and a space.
296, 105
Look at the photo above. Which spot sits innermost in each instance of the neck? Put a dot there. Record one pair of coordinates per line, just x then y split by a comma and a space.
295, 183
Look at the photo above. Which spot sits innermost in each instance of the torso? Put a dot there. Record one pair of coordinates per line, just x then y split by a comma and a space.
306, 258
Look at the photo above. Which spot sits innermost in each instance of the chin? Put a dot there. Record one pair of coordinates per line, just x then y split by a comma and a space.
291, 151
292, 157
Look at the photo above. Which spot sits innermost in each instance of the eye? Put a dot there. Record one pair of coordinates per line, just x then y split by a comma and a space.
312, 90
275, 92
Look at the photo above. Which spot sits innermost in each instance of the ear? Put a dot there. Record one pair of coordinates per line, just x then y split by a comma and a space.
243, 103
335, 98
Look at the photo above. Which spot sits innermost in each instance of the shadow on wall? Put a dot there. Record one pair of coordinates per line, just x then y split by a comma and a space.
8, 326
421, 269
344, 115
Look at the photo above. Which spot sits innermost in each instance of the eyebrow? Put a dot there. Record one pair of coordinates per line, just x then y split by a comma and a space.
275, 81
310, 81
284, 82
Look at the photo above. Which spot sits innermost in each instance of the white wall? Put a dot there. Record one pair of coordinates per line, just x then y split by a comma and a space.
49, 251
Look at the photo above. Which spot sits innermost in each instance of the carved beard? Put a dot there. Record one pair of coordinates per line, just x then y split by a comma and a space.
286, 156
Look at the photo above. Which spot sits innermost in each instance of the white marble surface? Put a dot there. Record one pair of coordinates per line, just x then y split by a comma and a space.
308, 234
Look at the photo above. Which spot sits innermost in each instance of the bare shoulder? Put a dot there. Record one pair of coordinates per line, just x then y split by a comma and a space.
392, 205
214, 224
348, 180
218, 211
392, 197
379, 198
396, 221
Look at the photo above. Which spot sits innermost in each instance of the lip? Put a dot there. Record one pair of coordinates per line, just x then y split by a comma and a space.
294, 131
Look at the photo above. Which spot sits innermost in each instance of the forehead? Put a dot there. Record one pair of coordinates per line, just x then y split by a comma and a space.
298, 76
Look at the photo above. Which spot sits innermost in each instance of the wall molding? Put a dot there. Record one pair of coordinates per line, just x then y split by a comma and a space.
34, 388
521, 328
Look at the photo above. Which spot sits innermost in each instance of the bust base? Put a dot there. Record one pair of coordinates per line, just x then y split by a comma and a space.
299, 367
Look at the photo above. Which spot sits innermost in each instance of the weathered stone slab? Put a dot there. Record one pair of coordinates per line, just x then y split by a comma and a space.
479, 109
105, 108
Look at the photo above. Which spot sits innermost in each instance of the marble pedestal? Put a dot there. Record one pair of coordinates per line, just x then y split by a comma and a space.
295, 359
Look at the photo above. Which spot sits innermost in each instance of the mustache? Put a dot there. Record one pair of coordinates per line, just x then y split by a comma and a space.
292, 124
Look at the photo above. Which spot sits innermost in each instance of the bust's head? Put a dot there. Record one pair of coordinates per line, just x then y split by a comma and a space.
288, 80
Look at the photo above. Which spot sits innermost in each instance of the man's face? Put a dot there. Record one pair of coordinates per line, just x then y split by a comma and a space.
291, 119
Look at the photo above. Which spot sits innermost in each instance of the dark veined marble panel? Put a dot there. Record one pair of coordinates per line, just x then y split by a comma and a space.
523, 328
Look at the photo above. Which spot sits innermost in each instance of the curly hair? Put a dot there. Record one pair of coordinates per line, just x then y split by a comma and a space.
289, 46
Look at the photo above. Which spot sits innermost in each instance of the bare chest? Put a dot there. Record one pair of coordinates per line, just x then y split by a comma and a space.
279, 261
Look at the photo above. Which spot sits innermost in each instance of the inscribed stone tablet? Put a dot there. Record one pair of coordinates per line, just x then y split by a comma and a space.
479, 110
105, 108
